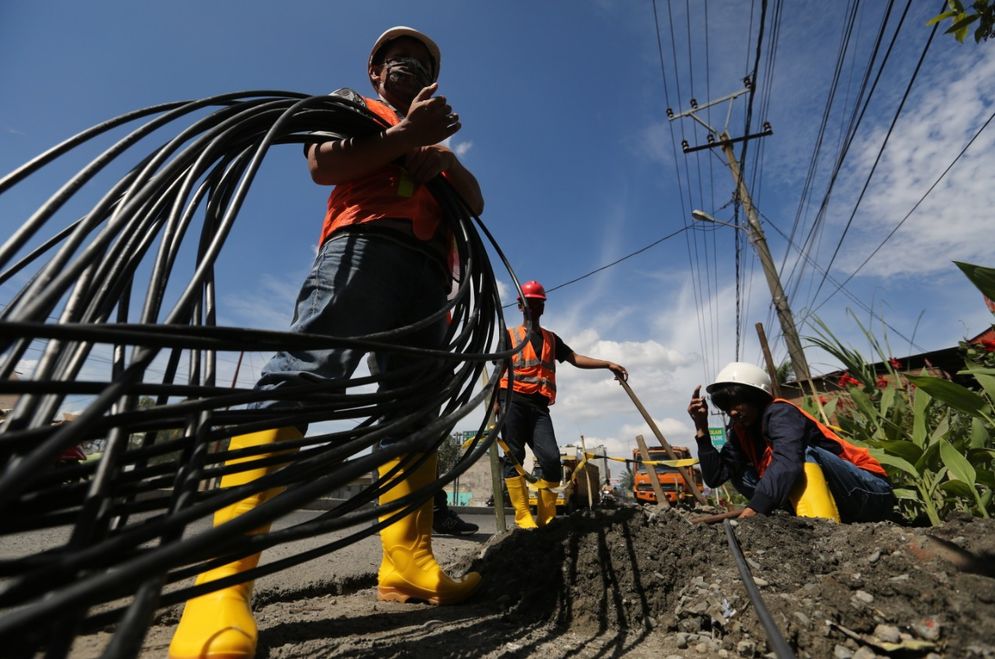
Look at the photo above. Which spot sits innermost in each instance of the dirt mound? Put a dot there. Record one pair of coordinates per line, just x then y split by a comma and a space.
831, 588
638, 583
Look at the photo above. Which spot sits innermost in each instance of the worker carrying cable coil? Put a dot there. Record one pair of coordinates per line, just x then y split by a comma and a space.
779, 456
533, 390
382, 264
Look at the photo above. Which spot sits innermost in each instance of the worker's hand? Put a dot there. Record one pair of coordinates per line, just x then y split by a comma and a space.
426, 162
620, 373
698, 410
430, 119
747, 512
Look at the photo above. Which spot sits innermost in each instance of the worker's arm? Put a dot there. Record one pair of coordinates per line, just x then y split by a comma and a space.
716, 467
427, 162
583, 361
429, 121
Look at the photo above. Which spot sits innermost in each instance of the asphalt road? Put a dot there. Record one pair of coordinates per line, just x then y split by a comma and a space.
361, 557
355, 560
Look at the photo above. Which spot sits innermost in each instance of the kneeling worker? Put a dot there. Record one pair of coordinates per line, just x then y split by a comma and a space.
779, 456
527, 421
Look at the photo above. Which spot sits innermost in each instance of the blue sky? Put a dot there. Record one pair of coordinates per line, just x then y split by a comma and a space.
564, 125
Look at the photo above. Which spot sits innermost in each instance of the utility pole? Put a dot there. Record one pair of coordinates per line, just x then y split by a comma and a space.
722, 139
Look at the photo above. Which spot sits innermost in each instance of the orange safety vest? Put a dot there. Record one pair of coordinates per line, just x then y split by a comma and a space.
856, 455
533, 375
385, 193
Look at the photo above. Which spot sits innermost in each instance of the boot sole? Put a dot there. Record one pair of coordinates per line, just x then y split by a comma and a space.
390, 594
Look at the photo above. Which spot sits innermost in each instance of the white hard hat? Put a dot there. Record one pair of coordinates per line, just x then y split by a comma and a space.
742, 373
399, 31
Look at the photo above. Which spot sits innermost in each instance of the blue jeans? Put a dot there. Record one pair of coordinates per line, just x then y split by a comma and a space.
526, 424
860, 495
362, 284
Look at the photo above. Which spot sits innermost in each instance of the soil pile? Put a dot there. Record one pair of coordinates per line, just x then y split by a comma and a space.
834, 590
639, 583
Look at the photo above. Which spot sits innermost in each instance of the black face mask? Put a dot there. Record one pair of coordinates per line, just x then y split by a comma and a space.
407, 70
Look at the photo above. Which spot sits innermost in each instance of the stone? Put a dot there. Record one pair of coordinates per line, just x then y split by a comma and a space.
875, 555
864, 596
888, 633
746, 648
802, 618
842, 652
864, 653
760, 582
701, 648
927, 628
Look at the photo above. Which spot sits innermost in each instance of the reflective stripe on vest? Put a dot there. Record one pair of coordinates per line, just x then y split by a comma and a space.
859, 457
533, 375
387, 192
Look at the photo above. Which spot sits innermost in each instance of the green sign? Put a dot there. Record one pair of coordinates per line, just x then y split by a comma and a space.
718, 436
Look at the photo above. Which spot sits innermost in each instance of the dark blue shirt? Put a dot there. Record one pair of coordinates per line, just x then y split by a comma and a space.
789, 433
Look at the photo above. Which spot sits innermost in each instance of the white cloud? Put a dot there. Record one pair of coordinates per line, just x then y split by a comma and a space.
948, 109
462, 148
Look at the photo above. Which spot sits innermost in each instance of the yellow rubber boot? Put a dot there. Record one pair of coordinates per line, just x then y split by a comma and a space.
546, 502
519, 495
812, 498
220, 625
409, 570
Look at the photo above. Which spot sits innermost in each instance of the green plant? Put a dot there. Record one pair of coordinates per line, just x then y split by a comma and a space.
982, 12
936, 438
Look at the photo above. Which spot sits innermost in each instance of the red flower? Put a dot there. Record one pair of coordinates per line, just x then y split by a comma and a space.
895, 364
988, 345
823, 400
881, 382
847, 380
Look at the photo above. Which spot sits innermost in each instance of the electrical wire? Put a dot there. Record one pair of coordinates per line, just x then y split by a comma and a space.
854, 125
685, 208
894, 229
877, 160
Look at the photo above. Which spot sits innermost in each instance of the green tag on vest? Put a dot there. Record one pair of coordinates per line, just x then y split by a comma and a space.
405, 186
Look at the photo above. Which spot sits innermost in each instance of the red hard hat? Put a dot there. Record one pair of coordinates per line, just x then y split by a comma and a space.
533, 289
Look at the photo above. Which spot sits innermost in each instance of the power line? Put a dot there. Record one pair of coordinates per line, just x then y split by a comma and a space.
907, 215
617, 261
685, 210
851, 133
877, 159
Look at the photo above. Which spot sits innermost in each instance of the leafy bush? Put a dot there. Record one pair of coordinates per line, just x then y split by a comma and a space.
936, 438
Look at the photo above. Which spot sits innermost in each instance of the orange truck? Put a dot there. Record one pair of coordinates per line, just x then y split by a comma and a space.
671, 482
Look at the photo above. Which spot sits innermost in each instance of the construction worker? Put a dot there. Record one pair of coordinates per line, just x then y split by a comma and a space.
527, 420
382, 264
780, 456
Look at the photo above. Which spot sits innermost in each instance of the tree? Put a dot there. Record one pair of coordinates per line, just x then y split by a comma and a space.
981, 12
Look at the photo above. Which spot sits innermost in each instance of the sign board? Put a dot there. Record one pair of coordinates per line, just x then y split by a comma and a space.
718, 437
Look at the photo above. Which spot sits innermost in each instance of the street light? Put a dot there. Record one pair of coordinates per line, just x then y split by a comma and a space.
702, 216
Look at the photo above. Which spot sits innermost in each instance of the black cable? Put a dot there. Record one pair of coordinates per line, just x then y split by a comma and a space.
125, 515
619, 260
776, 640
